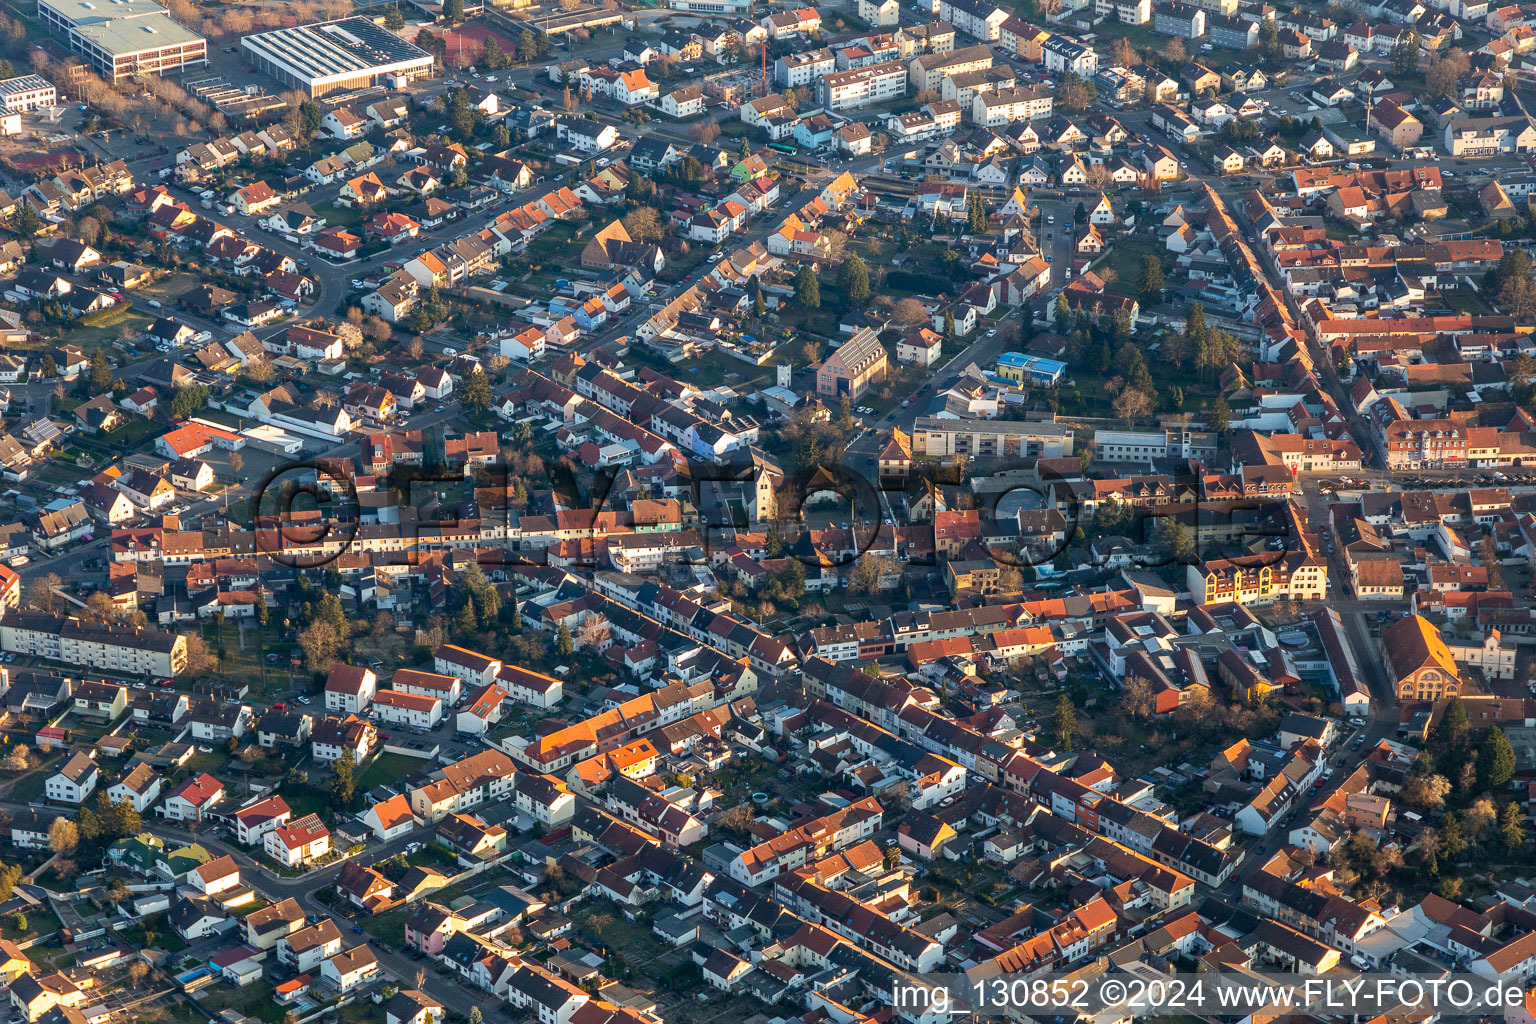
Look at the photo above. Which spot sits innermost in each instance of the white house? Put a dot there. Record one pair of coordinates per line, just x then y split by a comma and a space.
349, 689
73, 782
300, 842
254, 821
351, 968
411, 709
307, 948
390, 818
216, 876
548, 998
193, 799
140, 787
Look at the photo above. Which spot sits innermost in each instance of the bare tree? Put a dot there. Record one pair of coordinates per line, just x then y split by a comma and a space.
200, 659
1132, 404
594, 634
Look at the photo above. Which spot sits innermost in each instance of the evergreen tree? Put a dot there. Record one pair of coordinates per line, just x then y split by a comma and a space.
976, 217
490, 53
476, 396
1451, 730
26, 221
949, 325
1405, 55
394, 20
854, 277
464, 621
1120, 326
1194, 323
807, 288
329, 611
126, 820
188, 400
343, 784
463, 115
1221, 415
453, 11
1512, 827
1496, 761
1152, 282
1064, 723
101, 373
563, 643
1453, 842
311, 115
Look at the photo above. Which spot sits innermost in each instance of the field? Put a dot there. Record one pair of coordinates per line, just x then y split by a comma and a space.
387, 768
101, 329
244, 654
471, 39
336, 215
254, 1000
167, 289
1126, 258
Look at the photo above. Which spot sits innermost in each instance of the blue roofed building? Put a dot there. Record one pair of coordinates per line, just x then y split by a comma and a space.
1027, 369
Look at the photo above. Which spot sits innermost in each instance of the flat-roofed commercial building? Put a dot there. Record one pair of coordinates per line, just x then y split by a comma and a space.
124, 38
941, 436
28, 92
336, 56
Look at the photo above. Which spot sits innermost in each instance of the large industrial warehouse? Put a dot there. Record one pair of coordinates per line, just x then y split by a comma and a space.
336, 56
123, 38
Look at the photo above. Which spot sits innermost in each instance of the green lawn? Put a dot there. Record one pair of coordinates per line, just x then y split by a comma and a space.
164, 938
131, 433
557, 245
212, 763
435, 855
1125, 258
168, 289
101, 329
39, 922
389, 928
342, 216
247, 909
249, 664
310, 802
1465, 301
387, 768
29, 788
611, 929
52, 958
254, 1000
